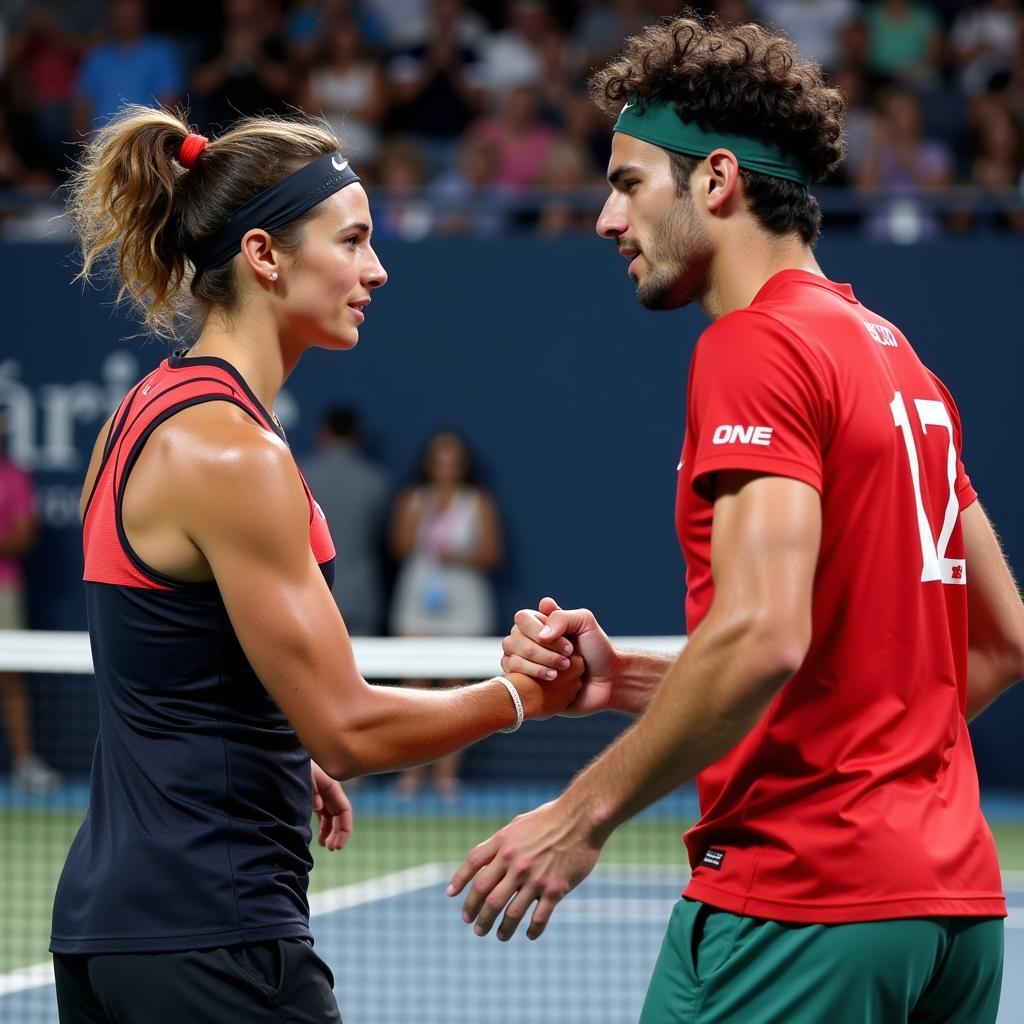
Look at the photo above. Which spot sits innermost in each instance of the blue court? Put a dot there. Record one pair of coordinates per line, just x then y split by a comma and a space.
401, 955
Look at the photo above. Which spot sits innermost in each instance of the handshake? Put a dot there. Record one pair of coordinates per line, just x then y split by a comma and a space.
561, 662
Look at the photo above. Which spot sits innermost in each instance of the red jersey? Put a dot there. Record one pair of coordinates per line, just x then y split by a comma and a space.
855, 798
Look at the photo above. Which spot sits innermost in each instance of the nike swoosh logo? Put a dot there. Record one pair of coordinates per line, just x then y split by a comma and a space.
339, 163
627, 106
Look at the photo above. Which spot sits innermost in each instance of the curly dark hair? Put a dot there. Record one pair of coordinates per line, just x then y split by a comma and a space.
737, 79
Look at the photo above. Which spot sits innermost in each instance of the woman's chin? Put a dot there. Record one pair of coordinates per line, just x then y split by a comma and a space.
339, 342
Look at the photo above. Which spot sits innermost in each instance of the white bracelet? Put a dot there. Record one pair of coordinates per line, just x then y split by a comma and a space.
514, 694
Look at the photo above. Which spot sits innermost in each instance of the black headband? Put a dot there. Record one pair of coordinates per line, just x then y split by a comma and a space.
274, 207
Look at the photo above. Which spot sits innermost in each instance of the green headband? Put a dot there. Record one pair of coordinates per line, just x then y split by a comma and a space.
660, 125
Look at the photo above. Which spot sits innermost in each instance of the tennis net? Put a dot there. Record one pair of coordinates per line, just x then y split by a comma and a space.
397, 946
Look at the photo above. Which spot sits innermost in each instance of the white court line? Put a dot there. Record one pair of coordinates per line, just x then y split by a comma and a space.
26, 977
398, 883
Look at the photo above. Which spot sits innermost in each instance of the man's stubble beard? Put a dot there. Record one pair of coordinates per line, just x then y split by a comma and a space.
679, 257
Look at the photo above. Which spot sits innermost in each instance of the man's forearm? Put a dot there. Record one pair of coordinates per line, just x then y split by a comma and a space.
710, 698
640, 675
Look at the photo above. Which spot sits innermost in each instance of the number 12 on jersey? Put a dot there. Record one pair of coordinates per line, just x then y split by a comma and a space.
935, 564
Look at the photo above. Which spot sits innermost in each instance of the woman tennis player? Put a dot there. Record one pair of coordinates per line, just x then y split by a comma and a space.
222, 663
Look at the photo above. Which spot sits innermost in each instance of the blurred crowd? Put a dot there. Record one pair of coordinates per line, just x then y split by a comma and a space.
472, 117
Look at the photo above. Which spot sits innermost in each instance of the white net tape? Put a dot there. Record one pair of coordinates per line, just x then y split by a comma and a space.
377, 657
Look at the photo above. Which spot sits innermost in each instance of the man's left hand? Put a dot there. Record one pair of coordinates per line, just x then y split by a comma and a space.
538, 857
333, 809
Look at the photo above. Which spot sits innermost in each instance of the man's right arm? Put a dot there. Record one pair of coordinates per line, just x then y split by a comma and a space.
640, 675
995, 615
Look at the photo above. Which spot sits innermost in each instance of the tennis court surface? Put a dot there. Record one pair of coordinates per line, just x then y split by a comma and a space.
396, 944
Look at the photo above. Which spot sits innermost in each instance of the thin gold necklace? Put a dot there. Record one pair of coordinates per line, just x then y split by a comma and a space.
273, 416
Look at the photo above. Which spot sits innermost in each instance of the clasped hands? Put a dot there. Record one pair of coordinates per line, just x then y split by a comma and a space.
539, 857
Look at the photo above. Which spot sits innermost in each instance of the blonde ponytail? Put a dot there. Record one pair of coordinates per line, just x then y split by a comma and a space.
136, 209
122, 203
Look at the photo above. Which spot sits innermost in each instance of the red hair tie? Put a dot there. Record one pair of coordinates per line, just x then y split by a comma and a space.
191, 148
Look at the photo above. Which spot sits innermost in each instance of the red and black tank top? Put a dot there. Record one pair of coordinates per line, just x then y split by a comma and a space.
198, 828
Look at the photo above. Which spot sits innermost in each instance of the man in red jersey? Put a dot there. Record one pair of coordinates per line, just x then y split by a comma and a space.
848, 606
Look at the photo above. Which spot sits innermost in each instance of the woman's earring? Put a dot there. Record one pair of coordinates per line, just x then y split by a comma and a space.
273, 276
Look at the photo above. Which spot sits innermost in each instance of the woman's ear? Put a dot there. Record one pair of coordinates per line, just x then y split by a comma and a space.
260, 256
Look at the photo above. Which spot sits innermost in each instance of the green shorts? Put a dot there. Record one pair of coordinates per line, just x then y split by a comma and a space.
721, 968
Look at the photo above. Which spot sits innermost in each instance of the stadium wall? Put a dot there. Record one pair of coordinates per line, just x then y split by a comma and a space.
572, 395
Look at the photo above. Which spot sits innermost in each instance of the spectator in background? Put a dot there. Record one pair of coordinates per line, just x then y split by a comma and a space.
469, 199
446, 536
519, 136
437, 86
584, 127
601, 27
403, 211
246, 72
1010, 86
813, 25
997, 166
559, 77
567, 169
470, 27
47, 44
347, 86
853, 44
859, 122
900, 161
303, 32
353, 493
514, 56
905, 41
982, 41
131, 66
732, 12
17, 534
403, 21
307, 21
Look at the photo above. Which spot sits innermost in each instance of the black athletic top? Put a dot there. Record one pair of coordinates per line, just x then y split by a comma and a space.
198, 828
